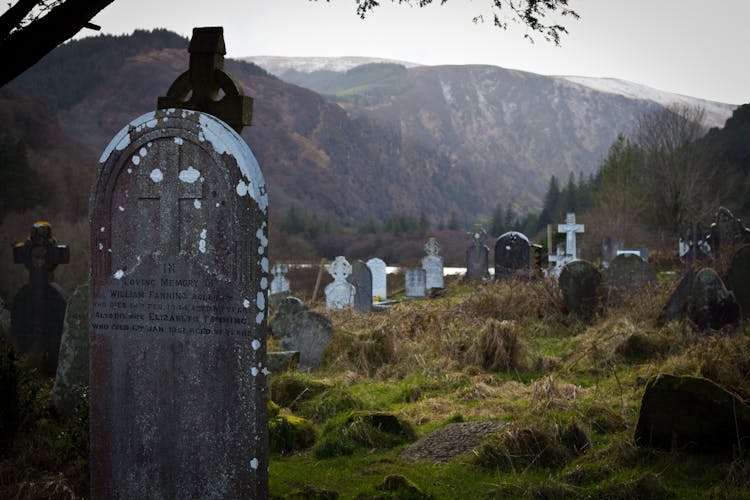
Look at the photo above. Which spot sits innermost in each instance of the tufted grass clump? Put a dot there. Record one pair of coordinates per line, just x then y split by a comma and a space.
291, 389
498, 347
345, 434
329, 403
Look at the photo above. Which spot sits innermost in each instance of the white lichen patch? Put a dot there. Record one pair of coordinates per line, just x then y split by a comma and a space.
197, 204
101, 246
265, 371
261, 301
264, 264
130, 170
259, 318
254, 371
264, 282
101, 229
190, 175
245, 303
136, 159
178, 141
255, 344
156, 175
119, 274
152, 123
203, 234
202, 242
261, 250
143, 152
254, 464
261, 235
242, 188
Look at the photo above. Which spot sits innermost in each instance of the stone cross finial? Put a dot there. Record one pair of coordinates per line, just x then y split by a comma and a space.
477, 235
200, 87
340, 269
432, 247
40, 254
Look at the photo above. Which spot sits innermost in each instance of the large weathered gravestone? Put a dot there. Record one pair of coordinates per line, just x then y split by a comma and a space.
579, 283
415, 280
339, 293
711, 305
629, 271
179, 281
512, 255
361, 278
477, 256
279, 283
738, 279
433, 265
39, 307
299, 329
73, 363
379, 279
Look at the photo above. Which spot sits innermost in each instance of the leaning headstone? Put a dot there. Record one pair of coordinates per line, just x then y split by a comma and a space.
361, 278
512, 255
629, 271
738, 279
477, 256
179, 282
415, 282
339, 293
299, 329
39, 306
579, 282
379, 279
73, 362
433, 265
279, 283
676, 307
711, 305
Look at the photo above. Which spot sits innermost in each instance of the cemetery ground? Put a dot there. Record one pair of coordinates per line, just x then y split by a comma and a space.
528, 401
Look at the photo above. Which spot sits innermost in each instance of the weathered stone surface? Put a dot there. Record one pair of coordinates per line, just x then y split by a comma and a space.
711, 305
629, 271
339, 293
415, 281
361, 278
738, 279
451, 441
379, 279
726, 233
691, 413
677, 305
477, 256
279, 283
433, 265
302, 330
282, 361
179, 284
73, 362
579, 282
512, 255
39, 306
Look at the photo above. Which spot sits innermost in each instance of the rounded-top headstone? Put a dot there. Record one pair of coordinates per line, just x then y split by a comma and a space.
738, 279
179, 288
579, 283
711, 305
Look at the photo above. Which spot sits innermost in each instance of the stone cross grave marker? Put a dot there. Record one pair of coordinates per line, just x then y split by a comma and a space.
379, 279
512, 255
279, 283
361, 278
415, 281
299, 329
477, 255
570, 229
433, 265
39, 306
339, 293
179, 282
726, 232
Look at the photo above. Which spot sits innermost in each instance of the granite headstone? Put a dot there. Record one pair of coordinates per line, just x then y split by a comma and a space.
432, 264
415, 280
477, 256
512, 255
339, 293
299, 329
379, 279
361, 278
579, 282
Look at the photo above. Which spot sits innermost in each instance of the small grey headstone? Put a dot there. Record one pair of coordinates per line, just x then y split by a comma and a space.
299, 329
361, 278
433, 265
629, 271
339, 293
726, 232
379, 279
477, 257
73, 362
415, 280
512, 255
711, 305
738, 279
579, 283
279, 283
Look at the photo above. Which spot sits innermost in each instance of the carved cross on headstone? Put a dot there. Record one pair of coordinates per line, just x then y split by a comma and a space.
171, 184
279, 283
432, 247
570, 228
477, 235
201, 86
41, 254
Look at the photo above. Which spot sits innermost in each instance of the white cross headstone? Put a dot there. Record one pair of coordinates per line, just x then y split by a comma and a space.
279, 284
433, 264
340, 293
570, 228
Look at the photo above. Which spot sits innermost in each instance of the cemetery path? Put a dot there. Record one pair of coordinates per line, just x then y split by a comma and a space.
447, 443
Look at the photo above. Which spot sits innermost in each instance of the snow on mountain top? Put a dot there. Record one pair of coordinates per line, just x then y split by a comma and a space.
277, 65
716, 113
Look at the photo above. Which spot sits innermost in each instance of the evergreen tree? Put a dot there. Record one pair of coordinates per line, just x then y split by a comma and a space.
498, 221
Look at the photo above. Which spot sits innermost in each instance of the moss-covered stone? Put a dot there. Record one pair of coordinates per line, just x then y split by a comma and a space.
693, 413
329, 403
290, 389
287, 433
638, 347
629, 271
579, 283
518, 449
370, 429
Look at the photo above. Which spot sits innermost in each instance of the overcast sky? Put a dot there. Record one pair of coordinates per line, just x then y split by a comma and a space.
691, 47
